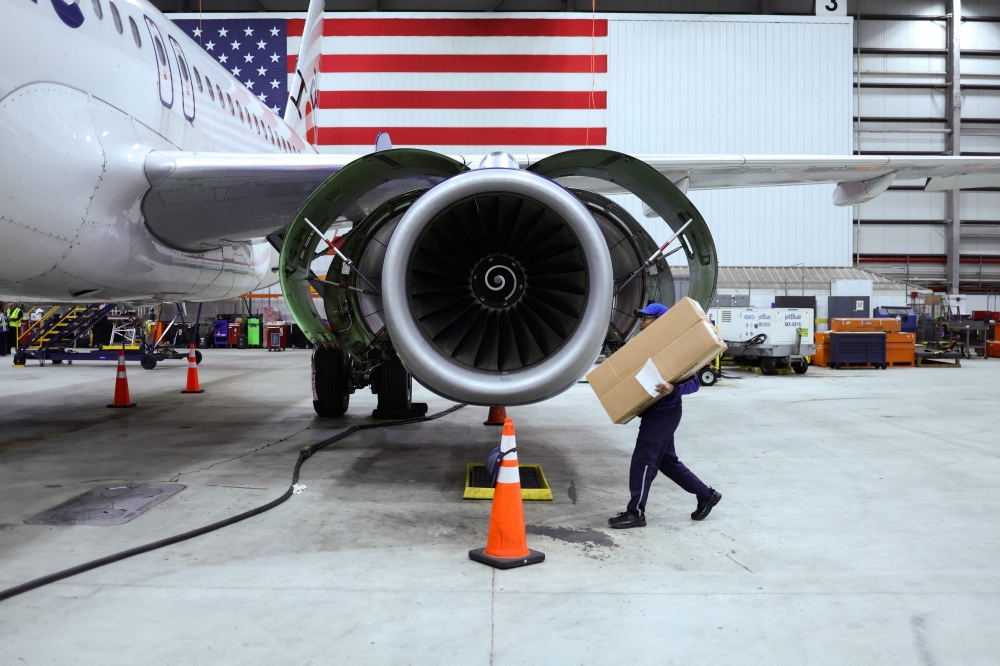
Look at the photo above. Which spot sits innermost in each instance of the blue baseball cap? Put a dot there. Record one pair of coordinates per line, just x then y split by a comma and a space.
652, 310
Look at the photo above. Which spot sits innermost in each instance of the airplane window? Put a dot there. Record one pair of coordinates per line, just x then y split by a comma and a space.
221, 100
232, 108
208, 84
181, 65
158, 47
117, 17
197, 78
135, 32
98, 12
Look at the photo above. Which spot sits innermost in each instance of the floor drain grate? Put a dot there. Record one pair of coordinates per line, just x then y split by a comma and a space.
107, 505
479, 484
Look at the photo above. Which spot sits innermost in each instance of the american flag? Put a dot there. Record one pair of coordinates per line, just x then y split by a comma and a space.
253, 50
455, 84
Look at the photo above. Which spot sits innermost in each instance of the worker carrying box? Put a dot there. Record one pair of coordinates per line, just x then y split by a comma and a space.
647, 377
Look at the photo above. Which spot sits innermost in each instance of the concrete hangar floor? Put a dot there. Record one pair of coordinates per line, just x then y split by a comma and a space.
859, 524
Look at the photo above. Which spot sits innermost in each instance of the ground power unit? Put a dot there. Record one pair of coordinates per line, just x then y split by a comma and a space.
772, 337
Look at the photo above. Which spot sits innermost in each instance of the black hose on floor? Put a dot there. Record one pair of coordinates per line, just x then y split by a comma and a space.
304, 455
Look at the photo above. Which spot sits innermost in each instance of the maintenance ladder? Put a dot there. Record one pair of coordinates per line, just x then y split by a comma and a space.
63, 331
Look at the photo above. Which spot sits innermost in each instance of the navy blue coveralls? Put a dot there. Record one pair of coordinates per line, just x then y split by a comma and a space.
654, 450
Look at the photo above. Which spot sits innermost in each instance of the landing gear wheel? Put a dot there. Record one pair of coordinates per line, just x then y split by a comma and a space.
56, 361
197, 357
20, 359
331, 380
800, 368
708, 376
768, 366
148, 361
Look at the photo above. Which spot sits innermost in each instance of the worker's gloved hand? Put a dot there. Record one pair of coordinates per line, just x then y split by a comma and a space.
665, 388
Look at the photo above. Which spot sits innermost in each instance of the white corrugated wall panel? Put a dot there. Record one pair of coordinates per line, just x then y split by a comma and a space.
903, 205
902, 239
724, 84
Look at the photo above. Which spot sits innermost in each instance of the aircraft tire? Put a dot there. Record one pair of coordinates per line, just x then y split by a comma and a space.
331, 380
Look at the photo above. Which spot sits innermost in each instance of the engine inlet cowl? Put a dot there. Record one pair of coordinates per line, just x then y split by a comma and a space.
497, 288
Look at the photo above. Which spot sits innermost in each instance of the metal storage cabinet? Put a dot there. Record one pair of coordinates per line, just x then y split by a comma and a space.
857, 348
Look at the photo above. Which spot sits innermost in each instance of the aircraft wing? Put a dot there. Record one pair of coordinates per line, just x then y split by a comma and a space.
198, 201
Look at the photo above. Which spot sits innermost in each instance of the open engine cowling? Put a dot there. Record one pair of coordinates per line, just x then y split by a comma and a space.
497, 288
492, 286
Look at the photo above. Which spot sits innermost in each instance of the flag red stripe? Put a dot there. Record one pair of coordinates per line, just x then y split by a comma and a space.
398, 27
411, 62
461, 99
465, 136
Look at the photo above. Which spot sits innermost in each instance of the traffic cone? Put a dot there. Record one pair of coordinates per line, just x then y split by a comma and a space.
192, 381
497, 416
121, 384
507, 543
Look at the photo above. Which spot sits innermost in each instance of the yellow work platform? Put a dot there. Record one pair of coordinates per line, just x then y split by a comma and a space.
478, 484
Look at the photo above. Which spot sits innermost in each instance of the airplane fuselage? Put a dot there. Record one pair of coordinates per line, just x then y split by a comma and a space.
81, 105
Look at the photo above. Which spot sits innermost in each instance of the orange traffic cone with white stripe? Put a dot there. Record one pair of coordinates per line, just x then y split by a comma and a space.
507, 543
121, 384
192, 380
497, 416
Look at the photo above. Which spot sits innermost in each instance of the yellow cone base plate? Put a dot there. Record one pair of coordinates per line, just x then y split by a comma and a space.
533, 483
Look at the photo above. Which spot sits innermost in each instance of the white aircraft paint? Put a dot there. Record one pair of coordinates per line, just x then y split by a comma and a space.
80, 109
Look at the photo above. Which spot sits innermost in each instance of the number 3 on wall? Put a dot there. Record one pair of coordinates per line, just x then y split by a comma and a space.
831, 7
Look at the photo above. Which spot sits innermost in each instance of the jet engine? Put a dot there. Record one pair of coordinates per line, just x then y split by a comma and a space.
490, 285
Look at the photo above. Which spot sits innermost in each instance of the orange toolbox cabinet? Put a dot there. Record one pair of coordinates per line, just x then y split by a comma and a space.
821, 356
863, 325
900, 347
993, 348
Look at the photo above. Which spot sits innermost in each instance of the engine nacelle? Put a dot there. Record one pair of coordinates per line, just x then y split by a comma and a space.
491, 286
497, 288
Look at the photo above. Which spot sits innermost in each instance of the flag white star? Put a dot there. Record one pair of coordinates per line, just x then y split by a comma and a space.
249, 84
248, 58
274, 57
248, 32
236, 46
261, 45
274, 32
263, 97
261, 71
210, 46
236, 71
274, 83
275, 108
222, 32
197, 32
223, 58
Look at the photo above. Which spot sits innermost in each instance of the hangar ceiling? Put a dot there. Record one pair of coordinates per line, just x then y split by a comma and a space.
644, 6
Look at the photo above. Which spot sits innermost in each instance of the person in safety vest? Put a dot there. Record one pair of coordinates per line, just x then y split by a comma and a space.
4, 345
14, 316
654, 447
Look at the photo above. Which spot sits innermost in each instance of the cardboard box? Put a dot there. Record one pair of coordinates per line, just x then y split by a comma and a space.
678, 344
865, 325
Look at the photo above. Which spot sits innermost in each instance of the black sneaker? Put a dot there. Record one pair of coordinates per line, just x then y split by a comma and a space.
705, 506
627, 519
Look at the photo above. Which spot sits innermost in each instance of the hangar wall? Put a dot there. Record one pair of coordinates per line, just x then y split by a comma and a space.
900, 106
740, 84
675, 84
